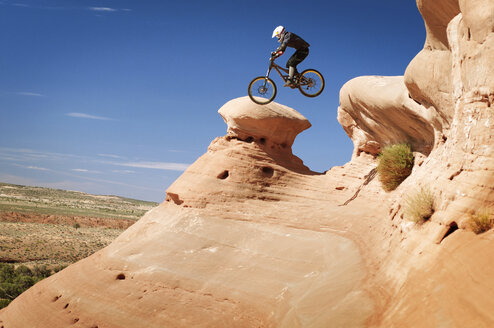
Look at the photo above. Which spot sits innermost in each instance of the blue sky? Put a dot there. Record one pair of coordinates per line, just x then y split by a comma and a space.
119, 96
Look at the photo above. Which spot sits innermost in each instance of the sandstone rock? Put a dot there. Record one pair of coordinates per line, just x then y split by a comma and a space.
377, 111
272, 123
454, 79
244, 239
428, 76
451, 80
251, 237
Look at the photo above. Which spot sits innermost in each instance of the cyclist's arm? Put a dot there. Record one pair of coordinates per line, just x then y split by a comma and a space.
284, 43
276, 53
280, 50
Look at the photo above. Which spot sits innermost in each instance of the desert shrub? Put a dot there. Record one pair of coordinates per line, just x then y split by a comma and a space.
395, 165
419, 206
7, 272
76, 225
59, 268
14, 282
41, 271
481, 220
23, 270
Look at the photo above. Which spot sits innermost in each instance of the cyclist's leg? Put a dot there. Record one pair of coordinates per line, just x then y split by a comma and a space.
294, 60
291, 64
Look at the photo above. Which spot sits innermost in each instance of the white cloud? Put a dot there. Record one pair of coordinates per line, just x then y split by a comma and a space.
26, 155
85, 171
123, 171
88, 116
110, 155
118, 183
32, 167
157, 165
31, 94
80, 170
106, 9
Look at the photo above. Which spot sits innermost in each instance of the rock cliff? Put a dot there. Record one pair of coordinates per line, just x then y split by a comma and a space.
445, 111
249, 236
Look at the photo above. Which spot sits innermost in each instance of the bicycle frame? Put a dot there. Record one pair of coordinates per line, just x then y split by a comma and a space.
265, 87
278, 69
303, 81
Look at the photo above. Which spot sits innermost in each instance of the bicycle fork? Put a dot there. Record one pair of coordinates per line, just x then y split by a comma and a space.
267, 75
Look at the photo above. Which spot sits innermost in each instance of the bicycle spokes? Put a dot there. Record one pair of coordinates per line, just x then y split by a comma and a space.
311, 83
262, 90
262, 87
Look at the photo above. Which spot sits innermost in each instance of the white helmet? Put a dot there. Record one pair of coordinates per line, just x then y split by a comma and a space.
278, 32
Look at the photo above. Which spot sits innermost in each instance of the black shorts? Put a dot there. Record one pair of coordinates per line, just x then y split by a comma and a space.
297, 57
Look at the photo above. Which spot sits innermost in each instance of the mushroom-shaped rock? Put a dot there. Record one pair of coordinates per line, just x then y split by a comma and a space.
254, 154
271, 123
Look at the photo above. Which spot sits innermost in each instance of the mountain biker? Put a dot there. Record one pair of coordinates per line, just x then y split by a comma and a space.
289, 39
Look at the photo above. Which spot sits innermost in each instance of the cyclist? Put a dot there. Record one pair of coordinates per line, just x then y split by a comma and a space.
289, 39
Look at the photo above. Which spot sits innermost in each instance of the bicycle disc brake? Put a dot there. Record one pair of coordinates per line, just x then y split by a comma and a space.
262, 90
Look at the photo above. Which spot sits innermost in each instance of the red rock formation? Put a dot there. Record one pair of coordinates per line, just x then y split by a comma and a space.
438, 282
250, 237
245, 238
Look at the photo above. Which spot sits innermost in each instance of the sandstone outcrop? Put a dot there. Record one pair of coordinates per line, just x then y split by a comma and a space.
249, 236
244, 239
451, 82
377, 111
276, 124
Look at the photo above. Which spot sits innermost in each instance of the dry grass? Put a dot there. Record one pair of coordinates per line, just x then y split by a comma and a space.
51, 228
36, 244
58, 227
395, 165
481, 221
419, 206
38, 200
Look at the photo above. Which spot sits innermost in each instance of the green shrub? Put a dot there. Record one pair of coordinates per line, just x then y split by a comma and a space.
7, 272
23, 270
419, 206
14, 282
41, 271
59, 268
481, 220
4, 302
395, 165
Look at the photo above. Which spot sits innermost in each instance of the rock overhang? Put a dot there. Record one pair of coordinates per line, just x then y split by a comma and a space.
272, 123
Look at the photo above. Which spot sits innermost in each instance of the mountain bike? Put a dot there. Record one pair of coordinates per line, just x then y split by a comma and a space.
262, 89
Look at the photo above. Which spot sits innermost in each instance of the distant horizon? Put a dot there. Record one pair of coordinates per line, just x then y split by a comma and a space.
78, 191
119, 98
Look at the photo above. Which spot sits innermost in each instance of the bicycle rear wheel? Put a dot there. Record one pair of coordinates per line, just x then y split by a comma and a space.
262, 90
311, 83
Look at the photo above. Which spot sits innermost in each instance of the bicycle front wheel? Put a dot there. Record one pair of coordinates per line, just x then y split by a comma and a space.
262, 90
311, 83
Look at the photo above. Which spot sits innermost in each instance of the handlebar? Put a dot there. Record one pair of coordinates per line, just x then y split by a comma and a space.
273, 57
275, 54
